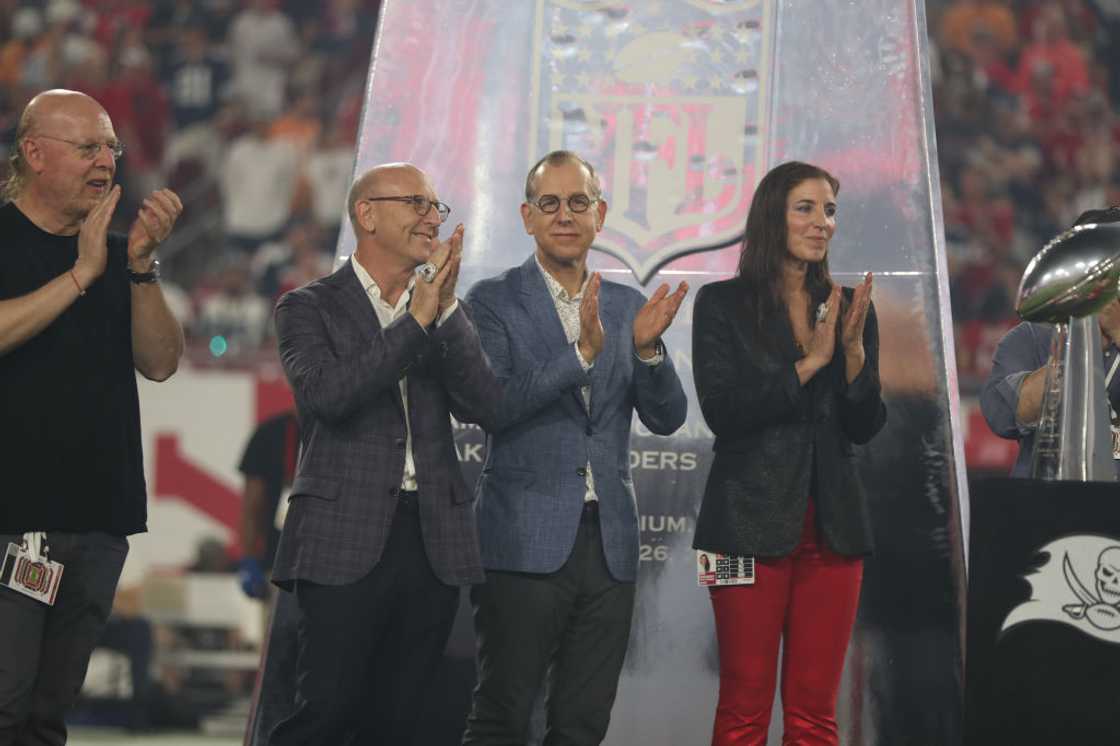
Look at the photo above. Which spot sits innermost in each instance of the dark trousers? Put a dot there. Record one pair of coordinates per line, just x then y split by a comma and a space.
367, 650
577, 620
44, 650
808, 598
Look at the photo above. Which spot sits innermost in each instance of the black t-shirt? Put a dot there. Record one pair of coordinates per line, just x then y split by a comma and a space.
271, 456
70, 449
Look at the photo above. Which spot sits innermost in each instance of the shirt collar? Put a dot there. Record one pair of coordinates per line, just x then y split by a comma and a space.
555, 289
373, 290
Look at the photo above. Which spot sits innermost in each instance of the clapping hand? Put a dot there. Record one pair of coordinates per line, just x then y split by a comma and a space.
93, 248
851, 333
427, 297
454, 258
822, 344
590, 325
655, 317
153, 223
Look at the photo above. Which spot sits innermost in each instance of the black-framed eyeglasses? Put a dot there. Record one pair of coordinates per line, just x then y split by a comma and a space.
88, 150
550, 203
419, 202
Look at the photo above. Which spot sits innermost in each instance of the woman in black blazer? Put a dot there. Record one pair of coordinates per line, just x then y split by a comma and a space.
786, 369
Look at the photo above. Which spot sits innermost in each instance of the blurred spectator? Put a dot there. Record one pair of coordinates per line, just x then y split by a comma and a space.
347, 26
966, 20
196, 81
115, 18
179, 301
983, 210
170, 21
27, 24
210, 556
329, 172
269, 466
308, 263
46, 65
263, 46
259, 179
1052, 68
139, 96
300, 124
994, 71
295, 260
233, 318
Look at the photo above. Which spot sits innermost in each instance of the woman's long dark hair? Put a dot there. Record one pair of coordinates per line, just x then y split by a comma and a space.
765, 251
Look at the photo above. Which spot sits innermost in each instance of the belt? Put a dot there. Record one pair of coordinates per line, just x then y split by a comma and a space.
590, 511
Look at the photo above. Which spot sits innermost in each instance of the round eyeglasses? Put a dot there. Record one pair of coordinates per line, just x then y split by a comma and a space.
550, 203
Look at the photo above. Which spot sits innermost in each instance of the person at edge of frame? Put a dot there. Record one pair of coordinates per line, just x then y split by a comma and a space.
81, 310
1011, 397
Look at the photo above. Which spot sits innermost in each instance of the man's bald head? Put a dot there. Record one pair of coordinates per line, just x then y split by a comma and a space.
373, 182
54, 110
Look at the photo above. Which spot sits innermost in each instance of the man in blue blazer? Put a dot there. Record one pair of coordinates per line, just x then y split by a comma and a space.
557, 513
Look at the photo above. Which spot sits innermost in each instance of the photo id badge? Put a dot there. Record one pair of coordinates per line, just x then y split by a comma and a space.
37, 578
714, 569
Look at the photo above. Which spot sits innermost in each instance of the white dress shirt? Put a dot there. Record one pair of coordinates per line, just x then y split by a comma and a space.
386, 315
567, 308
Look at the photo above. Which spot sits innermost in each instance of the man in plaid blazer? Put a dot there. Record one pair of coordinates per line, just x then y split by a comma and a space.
380, 530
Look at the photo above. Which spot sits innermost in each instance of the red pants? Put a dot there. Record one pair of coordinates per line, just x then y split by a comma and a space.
809, 598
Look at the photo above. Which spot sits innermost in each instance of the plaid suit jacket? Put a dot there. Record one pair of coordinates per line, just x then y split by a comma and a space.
344, 370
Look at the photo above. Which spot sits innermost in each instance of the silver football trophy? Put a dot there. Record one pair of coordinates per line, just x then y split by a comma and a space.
1072, 278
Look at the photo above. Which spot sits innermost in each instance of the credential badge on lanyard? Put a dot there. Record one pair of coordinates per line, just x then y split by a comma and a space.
714, 569
26, 569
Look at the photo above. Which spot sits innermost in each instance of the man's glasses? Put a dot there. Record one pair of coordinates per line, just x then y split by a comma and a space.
550, 203
420, 203
89, 150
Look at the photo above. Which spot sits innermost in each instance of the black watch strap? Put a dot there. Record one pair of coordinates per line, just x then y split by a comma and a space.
141, 278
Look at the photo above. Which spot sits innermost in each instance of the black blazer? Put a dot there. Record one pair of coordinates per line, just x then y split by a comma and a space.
772, 432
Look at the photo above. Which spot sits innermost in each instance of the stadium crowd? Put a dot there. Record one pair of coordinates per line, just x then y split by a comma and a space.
1025, 96
249, 108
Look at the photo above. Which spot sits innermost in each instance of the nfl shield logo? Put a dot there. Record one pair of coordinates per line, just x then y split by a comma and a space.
668, 101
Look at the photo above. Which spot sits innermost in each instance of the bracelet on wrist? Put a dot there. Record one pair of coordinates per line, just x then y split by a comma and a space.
74, 277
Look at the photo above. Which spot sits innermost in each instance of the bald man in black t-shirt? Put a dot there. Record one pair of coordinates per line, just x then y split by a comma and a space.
80, 311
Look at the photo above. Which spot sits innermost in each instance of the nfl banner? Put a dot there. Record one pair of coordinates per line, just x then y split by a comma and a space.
668, 100
682, 106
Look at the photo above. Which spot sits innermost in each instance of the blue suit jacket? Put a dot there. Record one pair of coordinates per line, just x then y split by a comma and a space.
540, 438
